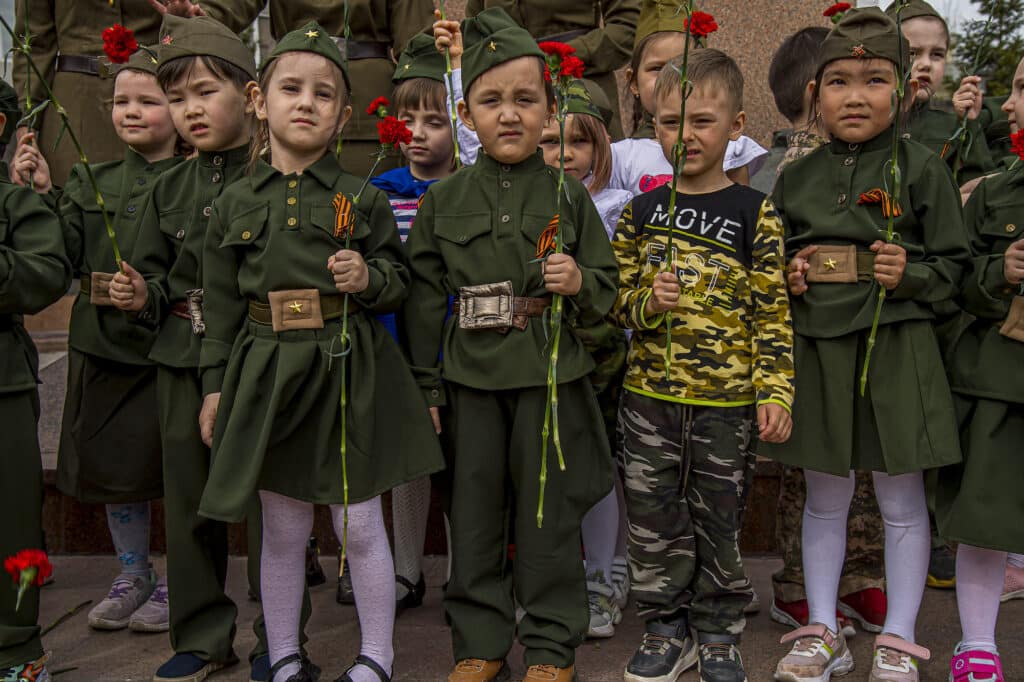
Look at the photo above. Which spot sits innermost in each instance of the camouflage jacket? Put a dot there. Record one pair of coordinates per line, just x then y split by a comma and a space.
732, 340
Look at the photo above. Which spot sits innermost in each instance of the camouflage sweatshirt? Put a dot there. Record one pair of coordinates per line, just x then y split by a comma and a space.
732, 339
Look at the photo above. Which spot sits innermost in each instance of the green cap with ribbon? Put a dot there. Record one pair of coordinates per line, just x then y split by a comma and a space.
914, 9
9, 108
864, 33
657, 16
420, 59
582, 99
143, 59
311, 38
203, 36
492, 38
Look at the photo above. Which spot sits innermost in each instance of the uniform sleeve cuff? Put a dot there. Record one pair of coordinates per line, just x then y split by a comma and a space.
914, 281
368, 296
641, 316
213, 379
776, 400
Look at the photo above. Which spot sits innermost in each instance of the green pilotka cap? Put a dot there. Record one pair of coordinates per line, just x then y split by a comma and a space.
311, 38
420, 59
864, 33
914, 9
9, 108
203, 36
493, 38
657, 16
581, 100
143, 59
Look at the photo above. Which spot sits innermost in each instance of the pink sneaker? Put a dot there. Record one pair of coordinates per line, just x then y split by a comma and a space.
1013, 584
975, 665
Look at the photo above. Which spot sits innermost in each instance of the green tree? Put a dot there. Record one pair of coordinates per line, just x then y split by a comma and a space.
995, 43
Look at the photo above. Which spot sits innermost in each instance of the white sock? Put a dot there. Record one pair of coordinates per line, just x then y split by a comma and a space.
129, 529
824, 542
287, 523
600, 532
1015, 560
373, 583
901, 500
410, 505
979, 582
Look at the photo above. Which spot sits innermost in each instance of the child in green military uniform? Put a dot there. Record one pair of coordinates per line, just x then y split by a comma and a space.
835, 205
110, 437
731, 373
205, 70
476, 238
979, 503
34, 272
272, 354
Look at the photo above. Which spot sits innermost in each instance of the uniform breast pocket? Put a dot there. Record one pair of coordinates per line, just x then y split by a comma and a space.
336, 221
247, 229
542, 231
1003, 225
175, 225
459, 233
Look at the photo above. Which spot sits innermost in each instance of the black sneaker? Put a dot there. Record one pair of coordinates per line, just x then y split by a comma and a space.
413, 597
665, 654
942, 568
345, 593
720, 659
314, 574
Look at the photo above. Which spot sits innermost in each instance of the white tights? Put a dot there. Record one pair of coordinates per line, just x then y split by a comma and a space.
979, 582
287, 523
901, 500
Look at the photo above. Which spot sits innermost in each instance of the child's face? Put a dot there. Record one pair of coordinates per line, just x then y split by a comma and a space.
855, 98
579, 151
928, 46
141, 116
507, 109
711, 121
659, 52
431, 145
1014, 104
302, 104
209, 112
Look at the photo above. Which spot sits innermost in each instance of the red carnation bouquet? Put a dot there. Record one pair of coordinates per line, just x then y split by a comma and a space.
27, 568
119, 43
700, 24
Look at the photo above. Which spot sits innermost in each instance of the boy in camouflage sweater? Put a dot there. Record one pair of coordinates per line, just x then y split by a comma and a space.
689, 431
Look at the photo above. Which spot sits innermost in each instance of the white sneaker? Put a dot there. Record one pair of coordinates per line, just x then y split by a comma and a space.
153, 616
604, 613
126, 595
620, 581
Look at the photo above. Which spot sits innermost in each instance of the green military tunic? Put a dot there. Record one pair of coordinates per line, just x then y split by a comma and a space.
279, 426
34, 272
933, 128
979, 502
996, 124
379, 31
601, 32
905, 422
66, 40
110, 438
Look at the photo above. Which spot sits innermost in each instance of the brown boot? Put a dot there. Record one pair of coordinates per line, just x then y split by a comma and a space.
479, 670
549, 673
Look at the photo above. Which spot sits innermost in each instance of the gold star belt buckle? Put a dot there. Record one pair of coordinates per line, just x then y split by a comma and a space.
833, 263
295, 309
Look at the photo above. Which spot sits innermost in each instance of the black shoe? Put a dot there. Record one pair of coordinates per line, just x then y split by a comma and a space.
369, 663
307, 671
413, 597
942, 568
345, 593
719, 658
665, 654
314, 574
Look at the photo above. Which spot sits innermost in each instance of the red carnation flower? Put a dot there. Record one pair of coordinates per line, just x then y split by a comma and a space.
378, 107
28, 567
1017, 143
547, 73
391, 131
119, 43
835, 9
700, 24
571, 67
560, 50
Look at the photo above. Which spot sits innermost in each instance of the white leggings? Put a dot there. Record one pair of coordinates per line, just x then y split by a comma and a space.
979, 583
901, 500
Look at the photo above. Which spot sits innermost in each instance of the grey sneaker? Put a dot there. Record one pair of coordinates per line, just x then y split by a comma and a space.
126, 595
152, 616
604, 612
720, 659
620, 581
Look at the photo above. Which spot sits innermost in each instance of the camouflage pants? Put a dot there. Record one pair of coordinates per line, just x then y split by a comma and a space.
686, 475
865, 539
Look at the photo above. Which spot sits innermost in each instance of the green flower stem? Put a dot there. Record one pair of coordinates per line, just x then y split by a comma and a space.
66, 127
27, 47
451, 92
962, 120
346, 31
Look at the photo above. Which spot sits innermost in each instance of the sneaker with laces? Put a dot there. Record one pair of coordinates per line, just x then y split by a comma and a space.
126, 595
604, 612
667, 651
867, 607
33, 671
895, 660
817, 655
620, 581
942, 568
550, 673
794, 614
153, 616
479, 670
1013, 584
719, 658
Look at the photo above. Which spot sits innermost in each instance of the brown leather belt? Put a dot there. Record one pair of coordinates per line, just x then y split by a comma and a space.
180, 309
364, 49
523, 308
330, 307
81, 63
564, 37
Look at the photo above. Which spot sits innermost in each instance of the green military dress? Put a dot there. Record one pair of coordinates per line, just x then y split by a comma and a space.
110, 436
933, 128
979, 502
279, 425
34, 272
905, 422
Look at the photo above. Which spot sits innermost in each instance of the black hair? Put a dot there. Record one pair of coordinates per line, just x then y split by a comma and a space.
792, 68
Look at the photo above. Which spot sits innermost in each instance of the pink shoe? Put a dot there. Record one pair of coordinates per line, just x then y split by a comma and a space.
975, 665
1013, 584
896, 660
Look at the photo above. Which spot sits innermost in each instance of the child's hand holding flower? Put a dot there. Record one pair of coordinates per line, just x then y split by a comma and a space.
448, 36
1013, 263
967, 99
562, 275
30, 166
890, 263
664, 294
351, 276
796, 273
128, 290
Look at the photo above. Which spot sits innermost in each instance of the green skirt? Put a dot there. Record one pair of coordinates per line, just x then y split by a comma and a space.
979, 502
278, 426
905, 421
110, 435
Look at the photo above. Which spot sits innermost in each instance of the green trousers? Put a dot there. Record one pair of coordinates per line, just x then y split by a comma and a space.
21, 507
497, 448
